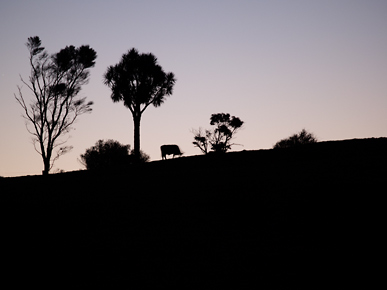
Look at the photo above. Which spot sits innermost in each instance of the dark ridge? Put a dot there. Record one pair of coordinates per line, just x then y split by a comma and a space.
285, 218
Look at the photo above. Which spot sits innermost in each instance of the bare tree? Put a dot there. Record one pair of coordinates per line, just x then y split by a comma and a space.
55, 82
202, 139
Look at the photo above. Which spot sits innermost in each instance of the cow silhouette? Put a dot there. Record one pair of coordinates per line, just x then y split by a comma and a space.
170, 150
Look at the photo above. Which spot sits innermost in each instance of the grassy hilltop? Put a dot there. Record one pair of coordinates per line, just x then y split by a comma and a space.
270, 218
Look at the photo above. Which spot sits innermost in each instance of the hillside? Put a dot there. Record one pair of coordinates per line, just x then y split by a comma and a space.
269, 218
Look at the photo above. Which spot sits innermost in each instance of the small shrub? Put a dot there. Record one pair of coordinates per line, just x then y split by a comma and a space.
143, 156
296, 140
109, 155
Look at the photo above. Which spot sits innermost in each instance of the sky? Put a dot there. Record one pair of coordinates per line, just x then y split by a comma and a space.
280, 66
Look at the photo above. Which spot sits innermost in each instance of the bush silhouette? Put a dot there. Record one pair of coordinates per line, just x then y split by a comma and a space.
296, 140
219, 139
109, 155
142, 158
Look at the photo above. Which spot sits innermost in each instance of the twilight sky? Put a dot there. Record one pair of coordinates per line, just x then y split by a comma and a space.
280, 66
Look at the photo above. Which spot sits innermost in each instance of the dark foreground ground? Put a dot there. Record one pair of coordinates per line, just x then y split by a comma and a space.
282, 219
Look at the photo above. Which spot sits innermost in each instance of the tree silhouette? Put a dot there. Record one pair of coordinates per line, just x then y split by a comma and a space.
109, 155
55, 82
220, 137
296, 140
138, 81
202, 139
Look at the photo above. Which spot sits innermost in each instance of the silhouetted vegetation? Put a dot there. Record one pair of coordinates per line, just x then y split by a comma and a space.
138, 81
55, 82
141, 159
296, 140
110, 155
219, 139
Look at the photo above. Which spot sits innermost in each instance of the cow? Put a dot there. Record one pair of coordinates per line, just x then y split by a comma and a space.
170, 150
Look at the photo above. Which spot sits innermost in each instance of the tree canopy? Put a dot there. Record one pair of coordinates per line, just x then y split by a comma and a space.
138, 81
55, 82
219, 139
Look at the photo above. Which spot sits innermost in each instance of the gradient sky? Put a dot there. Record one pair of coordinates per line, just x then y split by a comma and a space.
280, 66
